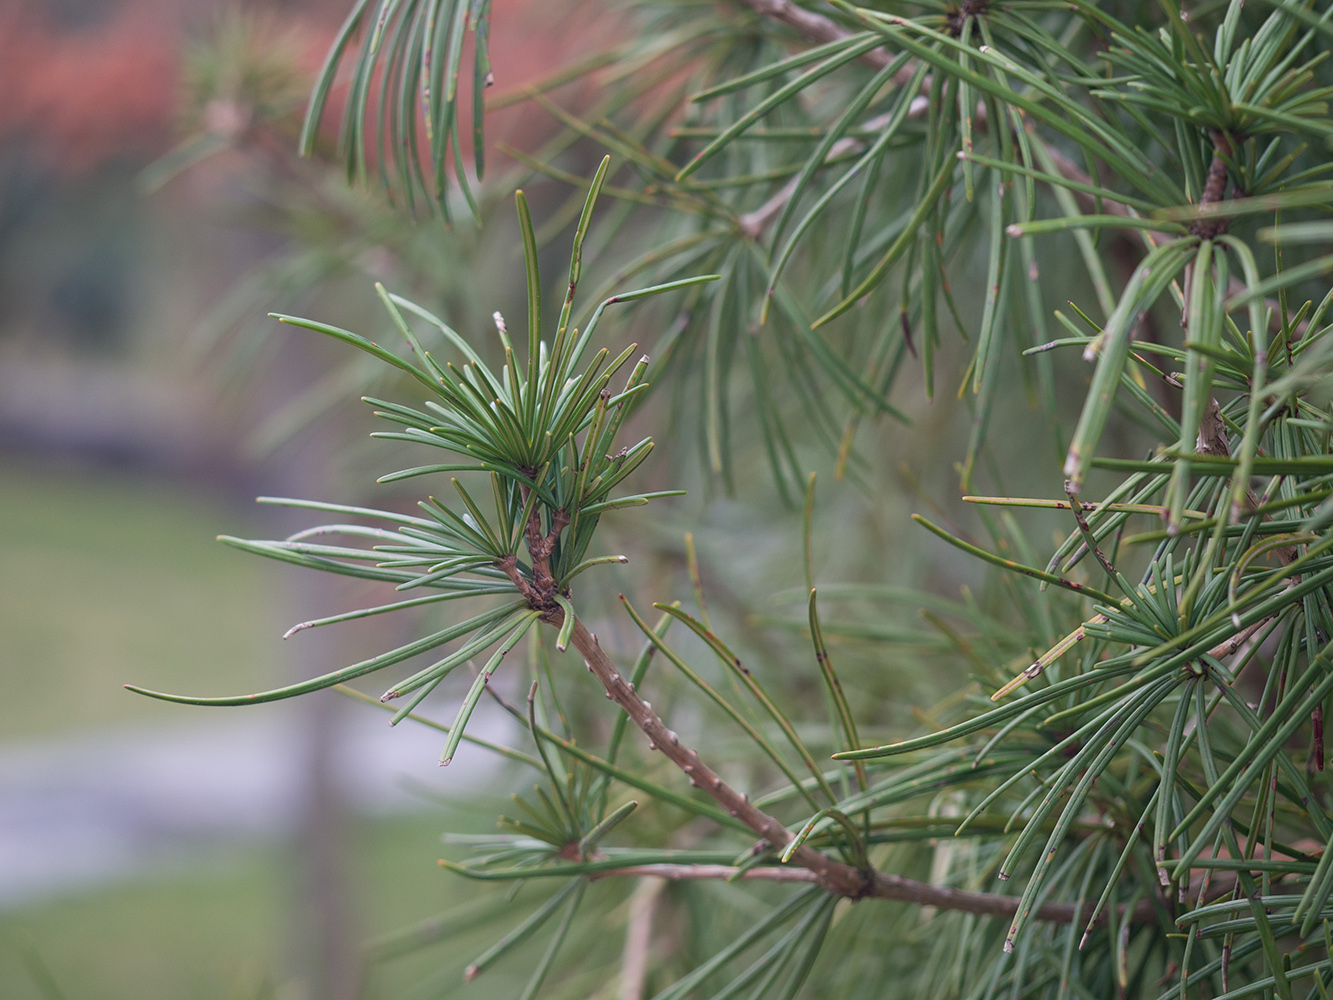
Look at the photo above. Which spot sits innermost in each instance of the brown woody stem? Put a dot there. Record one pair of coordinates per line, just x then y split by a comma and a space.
509, 566
540, 592
820, 30
808, 864
1089, 539
884, 886
833, 875
1214, 188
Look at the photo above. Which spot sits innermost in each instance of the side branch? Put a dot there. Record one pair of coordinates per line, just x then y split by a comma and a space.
818, 29
808, 864
753, 224
1215, 188
541, 592
509, 566
893, 887
844, 880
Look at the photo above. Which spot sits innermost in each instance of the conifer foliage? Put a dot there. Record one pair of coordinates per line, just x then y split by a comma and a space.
1131, 801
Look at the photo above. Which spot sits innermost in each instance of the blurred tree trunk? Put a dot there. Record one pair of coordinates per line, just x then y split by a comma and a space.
324, 937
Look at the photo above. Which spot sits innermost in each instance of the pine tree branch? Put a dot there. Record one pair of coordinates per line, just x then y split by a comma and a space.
894, 887
541, 592
753, 224
820, 30
509, 566
838, 878
809, 865
1214, 188
638, 939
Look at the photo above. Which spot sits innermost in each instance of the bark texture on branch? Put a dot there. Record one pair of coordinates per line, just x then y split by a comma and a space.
835, 876
807, 864
884, 886
1214, 189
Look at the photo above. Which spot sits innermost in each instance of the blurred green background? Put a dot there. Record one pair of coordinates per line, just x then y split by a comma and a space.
149, 853
110, 576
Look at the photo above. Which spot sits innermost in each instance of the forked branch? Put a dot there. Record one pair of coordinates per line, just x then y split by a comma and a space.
885, 887
833, 875
808, 864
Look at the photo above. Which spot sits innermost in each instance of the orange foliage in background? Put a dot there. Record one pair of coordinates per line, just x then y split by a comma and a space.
79, 96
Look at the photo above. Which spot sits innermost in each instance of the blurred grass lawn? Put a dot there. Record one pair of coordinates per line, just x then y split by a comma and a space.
107, 579
220, 931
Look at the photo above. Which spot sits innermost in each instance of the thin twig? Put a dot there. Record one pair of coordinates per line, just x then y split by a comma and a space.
639, 938
509, 566
1089, 539
1230, 646
1213, 440
894, 887
1214, 188
753, 224
808, 864
540, 546
1212, 437
820, 30
834, 876
691, 873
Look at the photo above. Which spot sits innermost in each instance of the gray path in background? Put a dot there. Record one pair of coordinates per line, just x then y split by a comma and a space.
110, 805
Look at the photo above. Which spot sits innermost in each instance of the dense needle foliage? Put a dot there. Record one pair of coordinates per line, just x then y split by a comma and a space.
1132, 799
